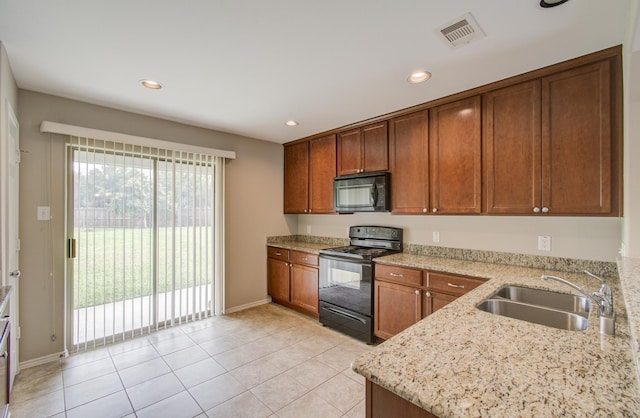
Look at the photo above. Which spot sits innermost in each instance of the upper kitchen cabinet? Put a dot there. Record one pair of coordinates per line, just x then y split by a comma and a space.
322, 157
435, 159
363, 149
577, 141
408, 162
512, 153
455, 157
296, 177
309, 169
549, 145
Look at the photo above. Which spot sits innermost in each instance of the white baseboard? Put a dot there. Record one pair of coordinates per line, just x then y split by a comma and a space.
40, 360
247, 306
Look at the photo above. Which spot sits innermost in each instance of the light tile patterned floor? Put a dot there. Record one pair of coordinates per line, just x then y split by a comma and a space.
262, 362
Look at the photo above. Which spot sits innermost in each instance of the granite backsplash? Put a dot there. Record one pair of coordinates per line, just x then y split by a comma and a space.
601, 268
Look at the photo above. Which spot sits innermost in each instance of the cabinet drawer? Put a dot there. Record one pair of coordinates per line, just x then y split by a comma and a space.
300, 257
399, 275
278, 253
452, 284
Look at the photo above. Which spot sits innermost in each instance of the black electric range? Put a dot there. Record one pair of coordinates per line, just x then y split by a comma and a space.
346, 279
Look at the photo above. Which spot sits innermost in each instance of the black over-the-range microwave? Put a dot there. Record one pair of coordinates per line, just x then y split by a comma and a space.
368, 192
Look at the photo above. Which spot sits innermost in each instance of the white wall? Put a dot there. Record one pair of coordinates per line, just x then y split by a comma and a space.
253, 207
631, 70
631, 59
631, 225
581, 238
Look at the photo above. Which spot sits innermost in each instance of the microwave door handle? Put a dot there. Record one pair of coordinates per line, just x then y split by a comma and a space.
374, 195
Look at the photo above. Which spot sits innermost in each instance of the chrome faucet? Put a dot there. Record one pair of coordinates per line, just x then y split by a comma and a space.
603, 298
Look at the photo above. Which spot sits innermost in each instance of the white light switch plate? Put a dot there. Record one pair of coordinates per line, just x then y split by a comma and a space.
436, 236
44, 213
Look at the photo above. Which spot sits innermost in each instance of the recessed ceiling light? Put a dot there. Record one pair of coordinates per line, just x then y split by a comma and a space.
551, 3
291, 123
150, 84
418, 77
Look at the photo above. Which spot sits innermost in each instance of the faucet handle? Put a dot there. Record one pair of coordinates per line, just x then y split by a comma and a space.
604, 287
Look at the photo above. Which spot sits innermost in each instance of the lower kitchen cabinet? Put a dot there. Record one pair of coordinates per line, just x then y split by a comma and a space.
443, 288
435, 300
403, 296
304, 287
397, 298
292, 279
278, 274
381, 403
396, 307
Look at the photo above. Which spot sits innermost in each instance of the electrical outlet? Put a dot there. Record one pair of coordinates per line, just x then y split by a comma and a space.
436, 236
544, 243
308, 229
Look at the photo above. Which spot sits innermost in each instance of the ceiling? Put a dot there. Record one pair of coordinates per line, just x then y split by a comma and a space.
247, 66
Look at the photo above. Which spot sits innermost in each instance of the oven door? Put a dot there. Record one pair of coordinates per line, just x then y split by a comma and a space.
346, 283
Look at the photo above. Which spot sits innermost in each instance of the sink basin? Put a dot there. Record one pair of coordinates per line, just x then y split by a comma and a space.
538, 306
546, 298
535, 314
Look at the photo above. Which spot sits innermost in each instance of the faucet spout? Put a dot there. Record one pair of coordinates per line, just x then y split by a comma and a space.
603, 298
568, 283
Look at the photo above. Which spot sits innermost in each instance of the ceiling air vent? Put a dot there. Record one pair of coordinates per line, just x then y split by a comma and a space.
461, 31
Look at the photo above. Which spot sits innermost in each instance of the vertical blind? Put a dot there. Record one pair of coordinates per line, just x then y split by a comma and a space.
147, 233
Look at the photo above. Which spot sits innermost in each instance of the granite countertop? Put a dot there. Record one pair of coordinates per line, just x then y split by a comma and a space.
461, 361
308, 247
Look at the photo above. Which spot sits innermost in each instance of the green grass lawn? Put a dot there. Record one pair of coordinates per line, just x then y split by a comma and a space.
115, 264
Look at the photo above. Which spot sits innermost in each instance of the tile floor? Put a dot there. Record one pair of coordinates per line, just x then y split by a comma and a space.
262, 362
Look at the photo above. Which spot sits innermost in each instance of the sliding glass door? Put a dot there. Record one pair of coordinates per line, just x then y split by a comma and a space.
141, 248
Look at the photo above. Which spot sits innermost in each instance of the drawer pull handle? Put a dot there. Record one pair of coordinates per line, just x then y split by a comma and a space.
395, 275
304, 259
458, 286
278, 254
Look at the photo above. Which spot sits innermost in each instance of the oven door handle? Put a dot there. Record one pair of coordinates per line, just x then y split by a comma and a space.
343, 259
345, 314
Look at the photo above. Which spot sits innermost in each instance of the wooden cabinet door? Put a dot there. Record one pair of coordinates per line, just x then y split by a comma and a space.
576, 141
278, 280
396, 307
322, 169
296, 178
455, 157
304, 287
381, 403
375, 147
363, 149
435, 301
349, 152
408, 162
513, 149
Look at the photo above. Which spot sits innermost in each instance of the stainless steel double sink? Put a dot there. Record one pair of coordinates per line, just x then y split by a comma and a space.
538, 306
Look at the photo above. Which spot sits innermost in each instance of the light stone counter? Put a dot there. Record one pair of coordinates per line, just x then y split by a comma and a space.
310, 246
629, 269
300, 246
463, 362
